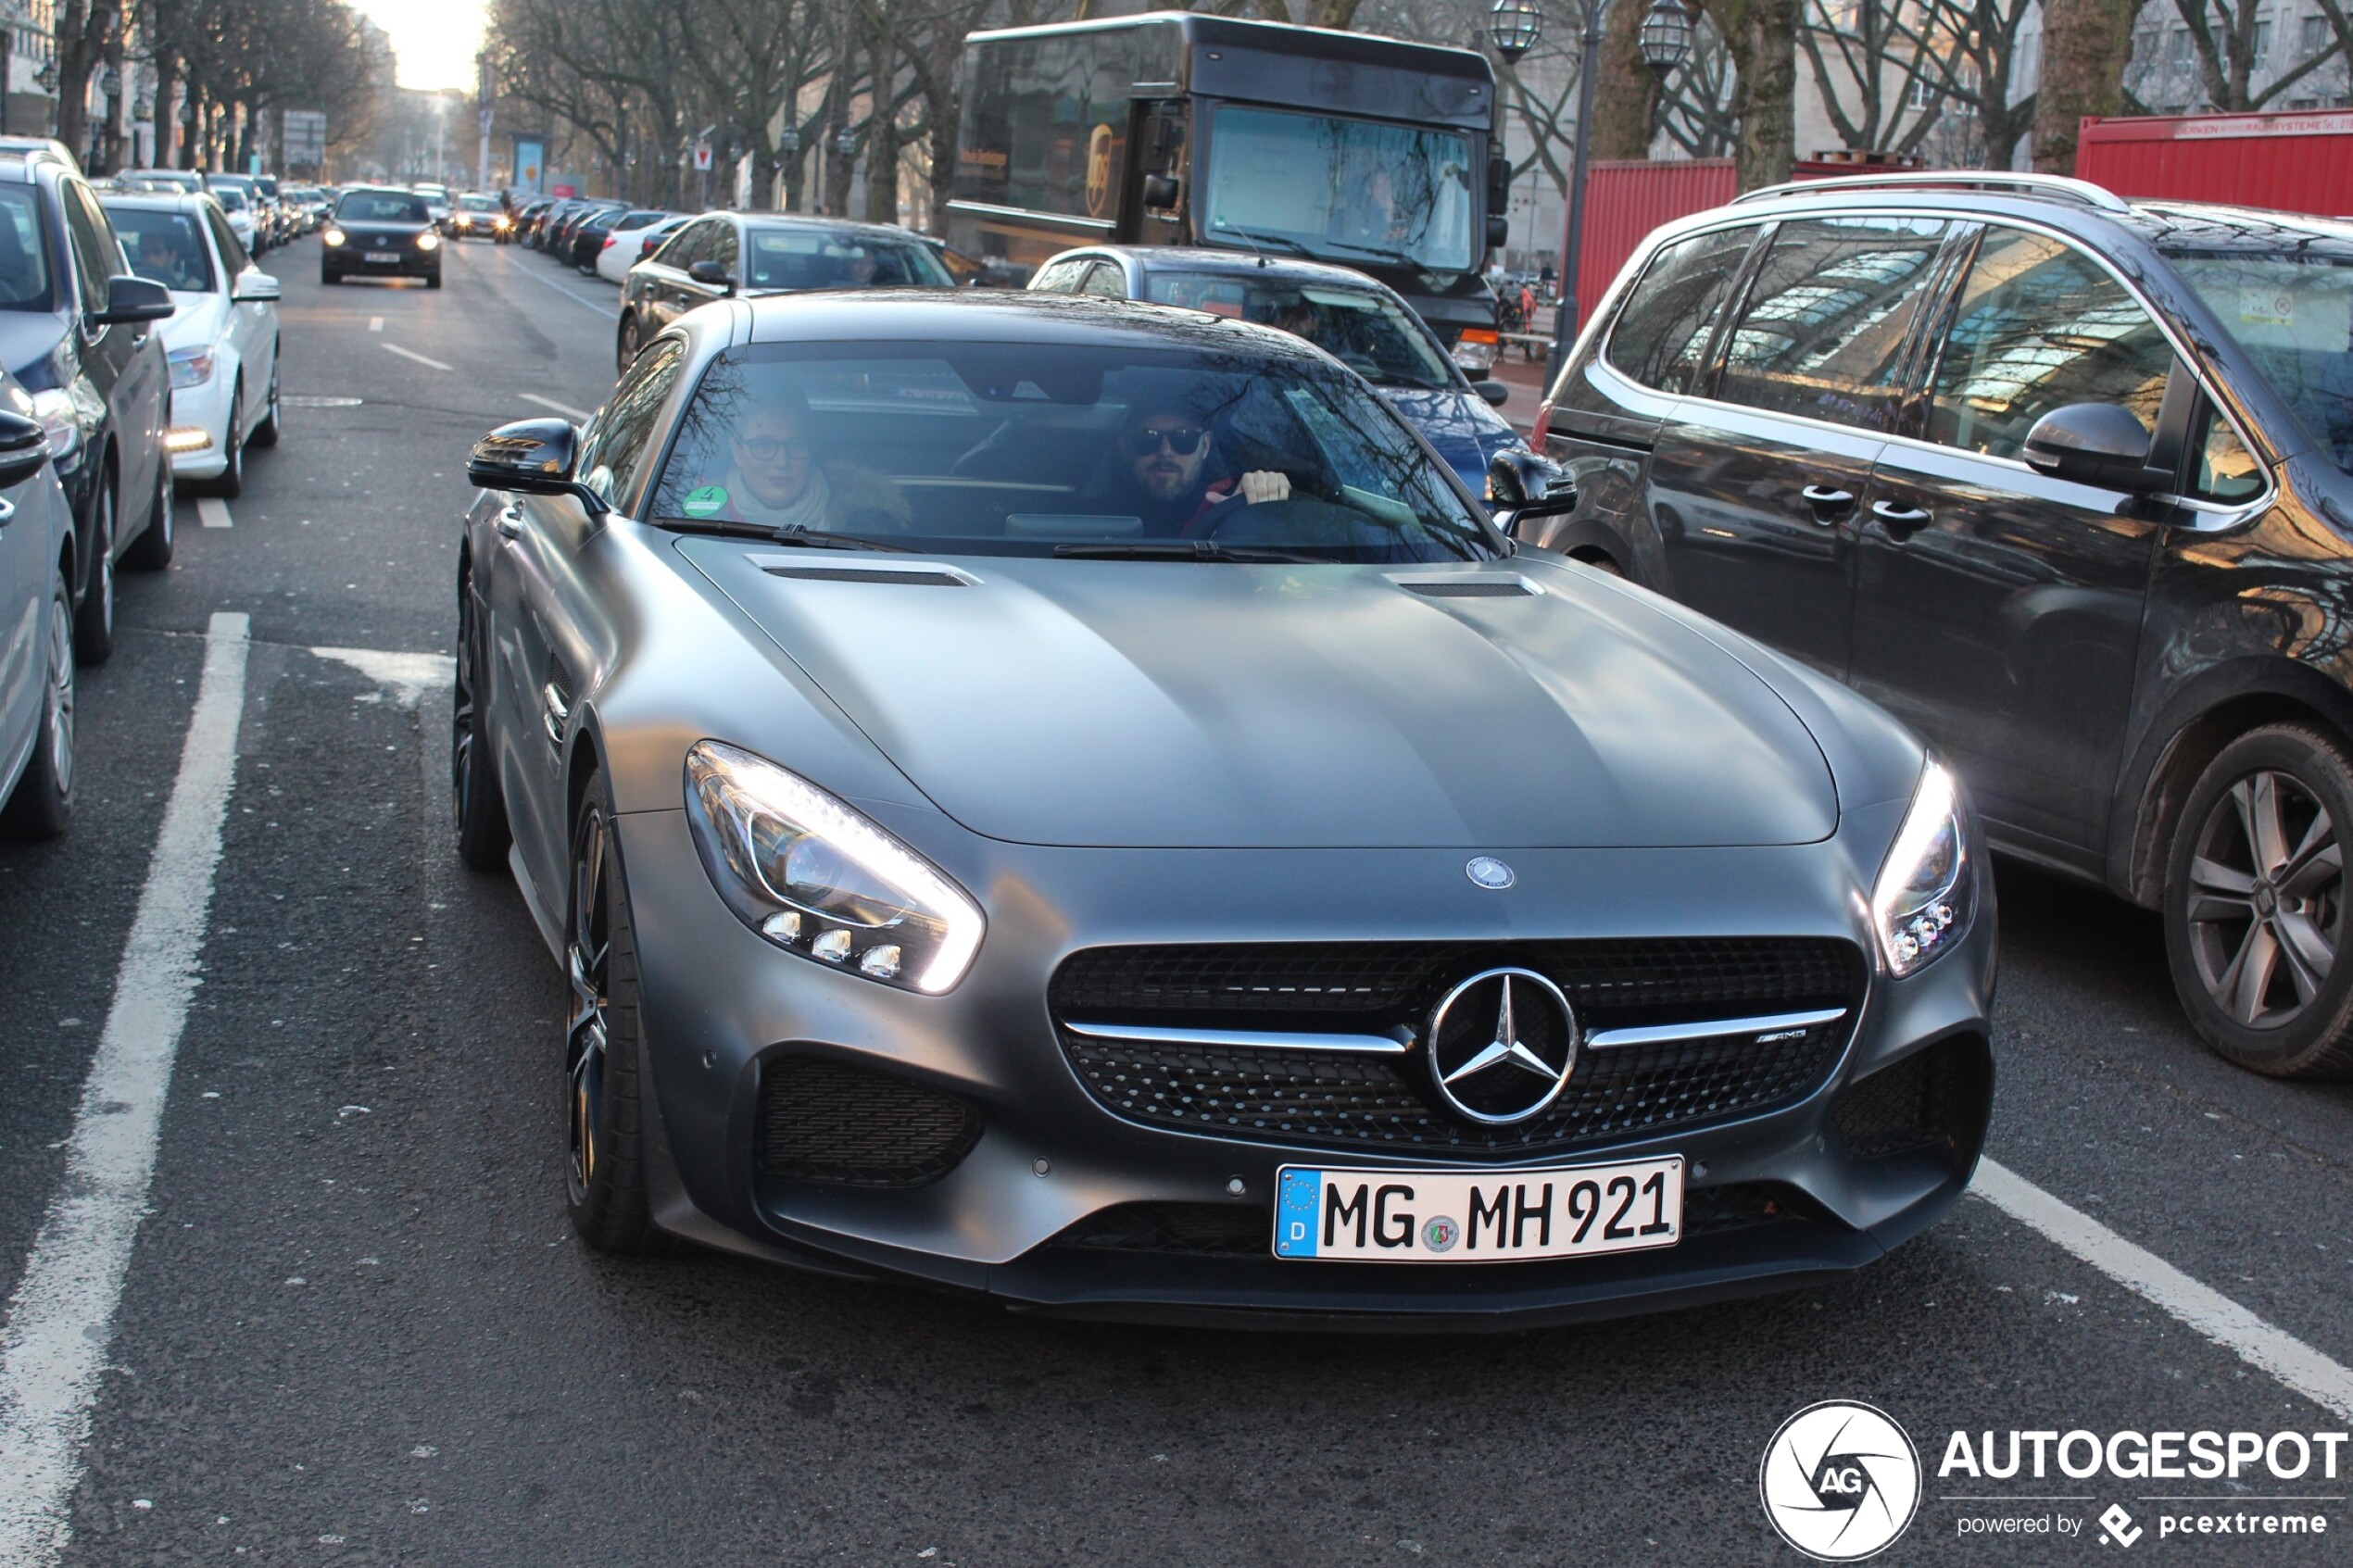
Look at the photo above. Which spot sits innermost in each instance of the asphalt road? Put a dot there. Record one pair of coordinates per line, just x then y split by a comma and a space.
355, 1326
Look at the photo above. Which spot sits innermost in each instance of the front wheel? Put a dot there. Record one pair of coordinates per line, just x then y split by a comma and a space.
433, 280
43, 802
93, 620
272, 417
2254, 903
328, 277
605, 1165
152, 550
626, 351
474, 798
231, 482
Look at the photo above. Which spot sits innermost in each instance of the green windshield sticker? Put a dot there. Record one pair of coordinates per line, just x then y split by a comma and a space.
708, 501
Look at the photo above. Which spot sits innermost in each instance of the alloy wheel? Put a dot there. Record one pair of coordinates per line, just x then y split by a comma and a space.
461, 710
103, 566
587, 958
2265, 899
61, 696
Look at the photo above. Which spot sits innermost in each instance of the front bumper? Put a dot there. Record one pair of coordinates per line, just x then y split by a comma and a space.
721, 1007
352, 262
206, 408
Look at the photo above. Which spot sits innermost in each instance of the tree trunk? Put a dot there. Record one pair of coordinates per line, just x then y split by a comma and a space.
166, 147
882, 126
2086, 45
74, 49
1625, 92
1762, 38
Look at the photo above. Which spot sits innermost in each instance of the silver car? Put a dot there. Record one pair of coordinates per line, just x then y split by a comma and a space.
36, 627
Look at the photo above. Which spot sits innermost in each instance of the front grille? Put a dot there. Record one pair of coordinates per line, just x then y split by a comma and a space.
1933, 1098
1372, 1101
823, 1120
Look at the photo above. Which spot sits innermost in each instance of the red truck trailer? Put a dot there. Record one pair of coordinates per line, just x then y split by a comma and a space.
2300, 161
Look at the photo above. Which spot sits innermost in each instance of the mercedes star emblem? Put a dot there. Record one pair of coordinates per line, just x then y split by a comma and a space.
1490, 872
1501, 1046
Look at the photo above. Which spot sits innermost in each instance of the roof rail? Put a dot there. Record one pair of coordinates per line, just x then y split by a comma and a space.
2054, 185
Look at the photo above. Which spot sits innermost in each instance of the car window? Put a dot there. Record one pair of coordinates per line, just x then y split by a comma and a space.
164, 247
24, 263
683, 248
2040, 325
1823, 332
96, 255
1061, 277
1106, 281
614, 447
381, 206
1662, 334
1370, 331
2290, 308
2226, 471
233, 249
721, 247
786, 260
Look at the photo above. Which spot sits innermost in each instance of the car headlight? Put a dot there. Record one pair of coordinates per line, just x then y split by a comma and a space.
1475, 350
191, 367
54, 409
332, 236
1925, 892
429, 241
817, 878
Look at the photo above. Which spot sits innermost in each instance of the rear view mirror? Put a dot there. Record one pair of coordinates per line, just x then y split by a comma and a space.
24, 448
1495, 393
711, 274
133, 299
534, 458
1522, 486
2094, 444
253, 288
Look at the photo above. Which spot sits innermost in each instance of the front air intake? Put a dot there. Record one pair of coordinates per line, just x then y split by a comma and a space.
825, 1121
1472, 588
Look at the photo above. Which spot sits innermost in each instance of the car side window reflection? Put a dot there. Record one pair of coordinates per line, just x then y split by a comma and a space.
614, 448
1663, 332
2041, 325
1824, 329
2226, 471
720, 247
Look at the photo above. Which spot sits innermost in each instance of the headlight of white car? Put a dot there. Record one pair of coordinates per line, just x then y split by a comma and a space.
817, 878
191, 367
1925, 892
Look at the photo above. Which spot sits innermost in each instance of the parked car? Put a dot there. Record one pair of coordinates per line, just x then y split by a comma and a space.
480, 217
614, 261
727, 253
2063, 482
527, 216
982, 854
610, 230
221, 341
380, 233
436, 201
78, 332
37, 606
1358, 320
244, 221
561, 237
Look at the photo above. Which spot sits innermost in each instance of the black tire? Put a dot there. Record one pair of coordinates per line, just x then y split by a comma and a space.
2254, 903
433, 278
94, 619
626, 345
231, 481
266, 432
42, 803
476, 800
605, 1155
328, 277
152, 550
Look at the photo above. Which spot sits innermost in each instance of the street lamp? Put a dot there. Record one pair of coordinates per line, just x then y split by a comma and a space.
1514, 26
1564, 312
847, 143
1665, 37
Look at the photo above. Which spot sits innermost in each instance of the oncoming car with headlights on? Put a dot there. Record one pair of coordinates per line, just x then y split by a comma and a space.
381, 233
1072, 801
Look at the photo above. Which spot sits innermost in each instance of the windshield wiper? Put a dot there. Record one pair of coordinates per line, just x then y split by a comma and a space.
1177, 549
1382, 252
800, 537
1285, 241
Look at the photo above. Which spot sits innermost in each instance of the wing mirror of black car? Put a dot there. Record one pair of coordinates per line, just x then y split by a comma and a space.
2094, 444
534, 457
133, 299
1521, 485
253, 288
1494, 393
712, 274
1161, 191
24, 446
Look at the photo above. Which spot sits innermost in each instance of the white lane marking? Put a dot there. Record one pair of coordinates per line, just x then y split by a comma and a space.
564, 408
410, 676
375, 323
413, 354
212, 511
61, 1319
521, 271
2324, 1382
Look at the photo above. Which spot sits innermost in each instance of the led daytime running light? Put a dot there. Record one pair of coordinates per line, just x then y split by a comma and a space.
1915, 924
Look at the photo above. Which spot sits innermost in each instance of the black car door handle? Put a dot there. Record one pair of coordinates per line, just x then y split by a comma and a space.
1901, 522
1829, 505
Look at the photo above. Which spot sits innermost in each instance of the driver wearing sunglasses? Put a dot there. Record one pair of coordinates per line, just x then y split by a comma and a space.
1168, 470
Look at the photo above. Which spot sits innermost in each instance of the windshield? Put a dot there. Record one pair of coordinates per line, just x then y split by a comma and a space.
2294, 315
1368, 333
164, 247
231, 198
1030, 450
785, 260
1347, 189
478, 204
380, 207
24, 275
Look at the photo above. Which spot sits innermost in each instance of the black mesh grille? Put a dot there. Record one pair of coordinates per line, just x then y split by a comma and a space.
1293, 1097
1931, 1099
1218, 1230
1470, 590
824, 1121
866, 574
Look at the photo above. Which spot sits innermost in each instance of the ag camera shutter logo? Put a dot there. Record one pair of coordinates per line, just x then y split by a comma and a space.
1840, 1481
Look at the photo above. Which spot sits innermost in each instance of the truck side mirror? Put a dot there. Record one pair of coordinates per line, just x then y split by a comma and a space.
1499, 183
1162, 189
1499, 230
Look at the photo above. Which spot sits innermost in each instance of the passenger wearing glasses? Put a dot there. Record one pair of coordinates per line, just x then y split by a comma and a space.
1169, 477
778, 480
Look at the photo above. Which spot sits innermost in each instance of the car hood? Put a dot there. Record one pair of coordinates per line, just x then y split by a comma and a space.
1167, 705
197, 321
1460, 425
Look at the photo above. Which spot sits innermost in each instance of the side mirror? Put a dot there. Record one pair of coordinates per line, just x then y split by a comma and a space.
24, 448
533, 458
1521, 485
2094, 444
712, 275
133, 299
1499, 230
1494, 393
1162, 189
253, 288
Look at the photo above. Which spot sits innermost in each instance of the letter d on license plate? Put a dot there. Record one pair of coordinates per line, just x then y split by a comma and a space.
1478, 1216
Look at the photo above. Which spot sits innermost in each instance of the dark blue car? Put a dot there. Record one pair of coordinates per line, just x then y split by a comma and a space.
1361, 323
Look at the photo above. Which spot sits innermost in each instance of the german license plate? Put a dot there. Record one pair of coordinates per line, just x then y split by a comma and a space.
1478, 1216
382, 256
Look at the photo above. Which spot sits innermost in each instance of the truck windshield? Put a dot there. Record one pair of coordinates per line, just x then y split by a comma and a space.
2293, 313
1351, 190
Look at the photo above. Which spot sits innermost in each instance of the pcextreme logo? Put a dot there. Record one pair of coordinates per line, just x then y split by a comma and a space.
1840, 1481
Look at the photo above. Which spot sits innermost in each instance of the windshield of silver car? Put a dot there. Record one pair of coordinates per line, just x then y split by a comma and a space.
1368, 333
1218, 452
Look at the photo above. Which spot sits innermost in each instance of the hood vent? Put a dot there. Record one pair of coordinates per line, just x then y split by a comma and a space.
920, 577
1472, 588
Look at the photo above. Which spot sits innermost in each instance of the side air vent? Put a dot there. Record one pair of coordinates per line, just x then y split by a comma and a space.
867, 574
1472, 588
823, 1121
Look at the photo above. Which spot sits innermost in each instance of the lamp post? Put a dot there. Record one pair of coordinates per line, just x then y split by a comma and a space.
1666, 41
1513, 26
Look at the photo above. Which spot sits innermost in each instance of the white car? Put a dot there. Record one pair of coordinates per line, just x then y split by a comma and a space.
221, 339
240, 213
629, 246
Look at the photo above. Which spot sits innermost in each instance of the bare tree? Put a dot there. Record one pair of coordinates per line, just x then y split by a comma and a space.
2086, 45
2225, 39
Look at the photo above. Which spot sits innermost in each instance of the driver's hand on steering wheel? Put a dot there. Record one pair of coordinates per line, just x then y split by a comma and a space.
1263, 485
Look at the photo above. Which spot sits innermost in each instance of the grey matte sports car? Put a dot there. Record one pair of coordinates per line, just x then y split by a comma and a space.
1072, 800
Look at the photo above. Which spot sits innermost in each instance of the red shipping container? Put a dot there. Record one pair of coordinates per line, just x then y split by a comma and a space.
2296, 162
1625, 199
